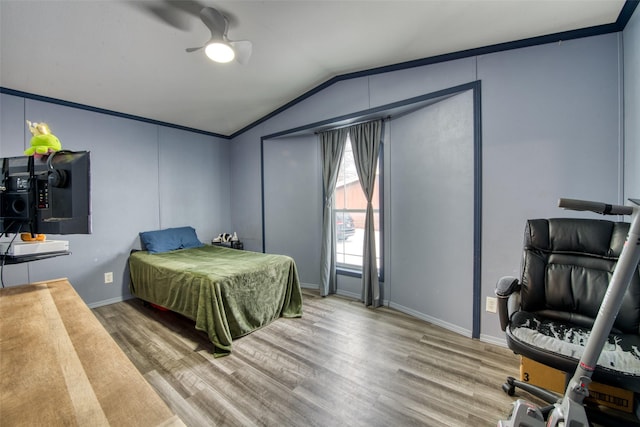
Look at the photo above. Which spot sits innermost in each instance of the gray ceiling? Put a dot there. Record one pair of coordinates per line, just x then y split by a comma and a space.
114, 55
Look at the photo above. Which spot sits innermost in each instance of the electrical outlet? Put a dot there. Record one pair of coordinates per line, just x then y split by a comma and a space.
108, 277
492, 305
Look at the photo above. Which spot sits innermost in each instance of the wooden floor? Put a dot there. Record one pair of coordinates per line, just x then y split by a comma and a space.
339, 365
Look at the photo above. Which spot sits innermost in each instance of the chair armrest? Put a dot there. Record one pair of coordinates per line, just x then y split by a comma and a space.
504, 288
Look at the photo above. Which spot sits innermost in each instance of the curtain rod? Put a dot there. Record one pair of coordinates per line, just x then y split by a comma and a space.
383, 119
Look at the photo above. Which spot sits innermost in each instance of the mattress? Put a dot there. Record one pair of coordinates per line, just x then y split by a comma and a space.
227, 292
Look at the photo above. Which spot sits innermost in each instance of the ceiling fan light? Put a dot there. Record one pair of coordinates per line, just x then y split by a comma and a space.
220, 51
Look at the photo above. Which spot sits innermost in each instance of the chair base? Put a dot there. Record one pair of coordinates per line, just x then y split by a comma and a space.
524, 414
510, 386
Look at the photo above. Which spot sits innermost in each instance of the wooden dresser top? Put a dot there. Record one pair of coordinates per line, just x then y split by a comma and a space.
59, 366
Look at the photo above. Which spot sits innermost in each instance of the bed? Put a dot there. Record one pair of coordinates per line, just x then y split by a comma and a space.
227, 292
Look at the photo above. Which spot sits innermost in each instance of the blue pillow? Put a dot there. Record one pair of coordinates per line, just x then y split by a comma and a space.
169, 239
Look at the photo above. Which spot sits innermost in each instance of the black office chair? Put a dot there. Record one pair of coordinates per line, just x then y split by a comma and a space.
548, 313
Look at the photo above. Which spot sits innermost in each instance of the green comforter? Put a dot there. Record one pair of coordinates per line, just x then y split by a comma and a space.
228, 292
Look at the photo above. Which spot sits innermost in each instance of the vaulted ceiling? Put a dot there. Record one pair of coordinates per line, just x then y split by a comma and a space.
118, 56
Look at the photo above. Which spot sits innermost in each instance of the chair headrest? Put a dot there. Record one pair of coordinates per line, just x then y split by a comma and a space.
599, 238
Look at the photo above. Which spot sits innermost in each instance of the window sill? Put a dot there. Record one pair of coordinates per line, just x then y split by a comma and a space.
351, 272
346, 271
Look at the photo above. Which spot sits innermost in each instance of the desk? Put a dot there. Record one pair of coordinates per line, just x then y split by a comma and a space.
11, 259
59, 366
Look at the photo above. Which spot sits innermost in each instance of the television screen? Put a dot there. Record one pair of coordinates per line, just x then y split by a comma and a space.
49, 195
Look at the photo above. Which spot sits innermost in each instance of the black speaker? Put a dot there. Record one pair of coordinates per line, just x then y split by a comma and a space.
16, 206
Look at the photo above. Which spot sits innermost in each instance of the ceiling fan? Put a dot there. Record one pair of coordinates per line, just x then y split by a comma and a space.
219, 48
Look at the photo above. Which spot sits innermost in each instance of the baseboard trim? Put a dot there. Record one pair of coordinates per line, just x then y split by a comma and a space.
109, 301
489, 339
438, 322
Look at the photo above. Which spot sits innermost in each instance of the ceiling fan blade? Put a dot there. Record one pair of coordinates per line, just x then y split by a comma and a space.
177, 14
191, 7
243, 49
169, 17
215, 22
194, 49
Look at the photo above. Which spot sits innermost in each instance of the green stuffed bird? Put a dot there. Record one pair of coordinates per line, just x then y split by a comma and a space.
43, 142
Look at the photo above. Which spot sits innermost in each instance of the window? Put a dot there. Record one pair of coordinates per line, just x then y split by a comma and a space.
350, 211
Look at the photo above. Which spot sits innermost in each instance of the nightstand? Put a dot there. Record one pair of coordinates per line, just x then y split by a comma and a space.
233, 244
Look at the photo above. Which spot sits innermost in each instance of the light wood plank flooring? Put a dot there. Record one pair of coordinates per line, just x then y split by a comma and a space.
341, 364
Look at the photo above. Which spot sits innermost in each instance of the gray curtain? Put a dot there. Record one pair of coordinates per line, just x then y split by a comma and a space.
332, 144
365, 141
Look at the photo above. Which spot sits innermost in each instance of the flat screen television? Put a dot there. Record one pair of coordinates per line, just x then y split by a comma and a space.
46, 195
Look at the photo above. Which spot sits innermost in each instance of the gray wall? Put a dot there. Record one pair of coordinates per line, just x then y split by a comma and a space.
551, 118
293, 189
631, 37
431, 207
551, 127
143, 177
